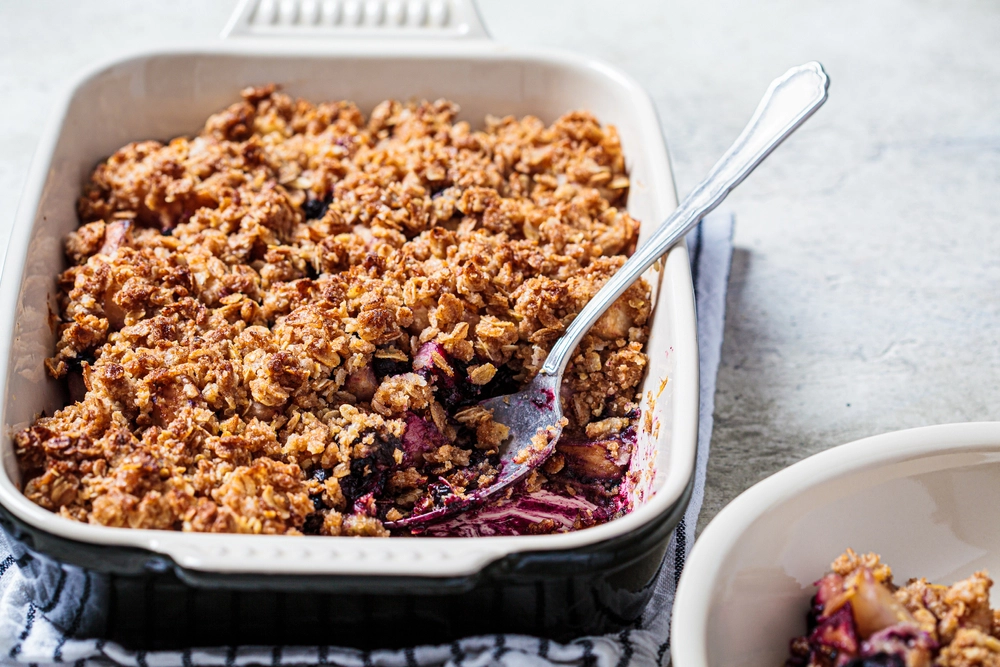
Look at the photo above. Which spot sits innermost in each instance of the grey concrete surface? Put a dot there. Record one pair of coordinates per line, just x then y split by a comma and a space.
865, 294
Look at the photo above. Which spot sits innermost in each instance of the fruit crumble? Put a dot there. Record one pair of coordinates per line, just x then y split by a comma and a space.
285, 324
860, 618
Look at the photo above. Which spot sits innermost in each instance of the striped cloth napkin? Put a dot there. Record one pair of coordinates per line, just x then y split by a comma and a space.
55, 631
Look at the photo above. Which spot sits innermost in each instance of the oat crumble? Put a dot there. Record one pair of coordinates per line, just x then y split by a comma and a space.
285, 323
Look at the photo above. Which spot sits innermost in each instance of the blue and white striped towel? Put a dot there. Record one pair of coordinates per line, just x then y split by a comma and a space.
54, 632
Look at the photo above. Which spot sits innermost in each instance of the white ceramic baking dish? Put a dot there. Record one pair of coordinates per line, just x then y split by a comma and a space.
926, 499
166, 93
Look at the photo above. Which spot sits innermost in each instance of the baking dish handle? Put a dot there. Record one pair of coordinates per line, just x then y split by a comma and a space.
385, 19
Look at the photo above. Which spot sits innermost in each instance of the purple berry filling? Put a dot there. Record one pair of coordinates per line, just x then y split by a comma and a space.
420, 436
521, 515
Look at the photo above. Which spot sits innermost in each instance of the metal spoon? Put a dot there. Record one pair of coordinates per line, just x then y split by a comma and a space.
534, 415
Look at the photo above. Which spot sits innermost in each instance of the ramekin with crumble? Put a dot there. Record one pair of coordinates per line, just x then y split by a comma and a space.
285, 324
861, 618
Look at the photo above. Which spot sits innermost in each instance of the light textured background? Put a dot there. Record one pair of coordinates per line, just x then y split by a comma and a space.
865, 294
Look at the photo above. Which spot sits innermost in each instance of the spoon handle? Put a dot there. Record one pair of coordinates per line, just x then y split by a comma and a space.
788, 102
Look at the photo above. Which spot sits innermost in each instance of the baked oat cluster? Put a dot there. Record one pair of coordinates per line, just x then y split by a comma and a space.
285, 323
860, 618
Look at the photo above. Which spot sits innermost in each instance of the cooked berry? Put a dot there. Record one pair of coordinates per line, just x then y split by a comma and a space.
315, 208
312, 524
384, 367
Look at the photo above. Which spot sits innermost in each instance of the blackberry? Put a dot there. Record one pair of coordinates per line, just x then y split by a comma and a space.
314, 209
313, 524
384, 368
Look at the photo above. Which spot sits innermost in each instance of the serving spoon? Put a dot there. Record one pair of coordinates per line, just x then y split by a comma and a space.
534, 414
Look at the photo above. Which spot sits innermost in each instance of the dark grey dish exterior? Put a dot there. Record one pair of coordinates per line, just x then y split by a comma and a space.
560, 595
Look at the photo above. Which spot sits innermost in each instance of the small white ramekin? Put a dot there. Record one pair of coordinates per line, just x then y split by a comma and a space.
926, 499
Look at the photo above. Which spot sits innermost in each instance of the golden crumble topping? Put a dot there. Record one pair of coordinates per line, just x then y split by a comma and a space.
285, 323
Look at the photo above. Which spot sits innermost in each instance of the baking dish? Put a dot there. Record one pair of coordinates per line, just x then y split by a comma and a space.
925, 499
167, 93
